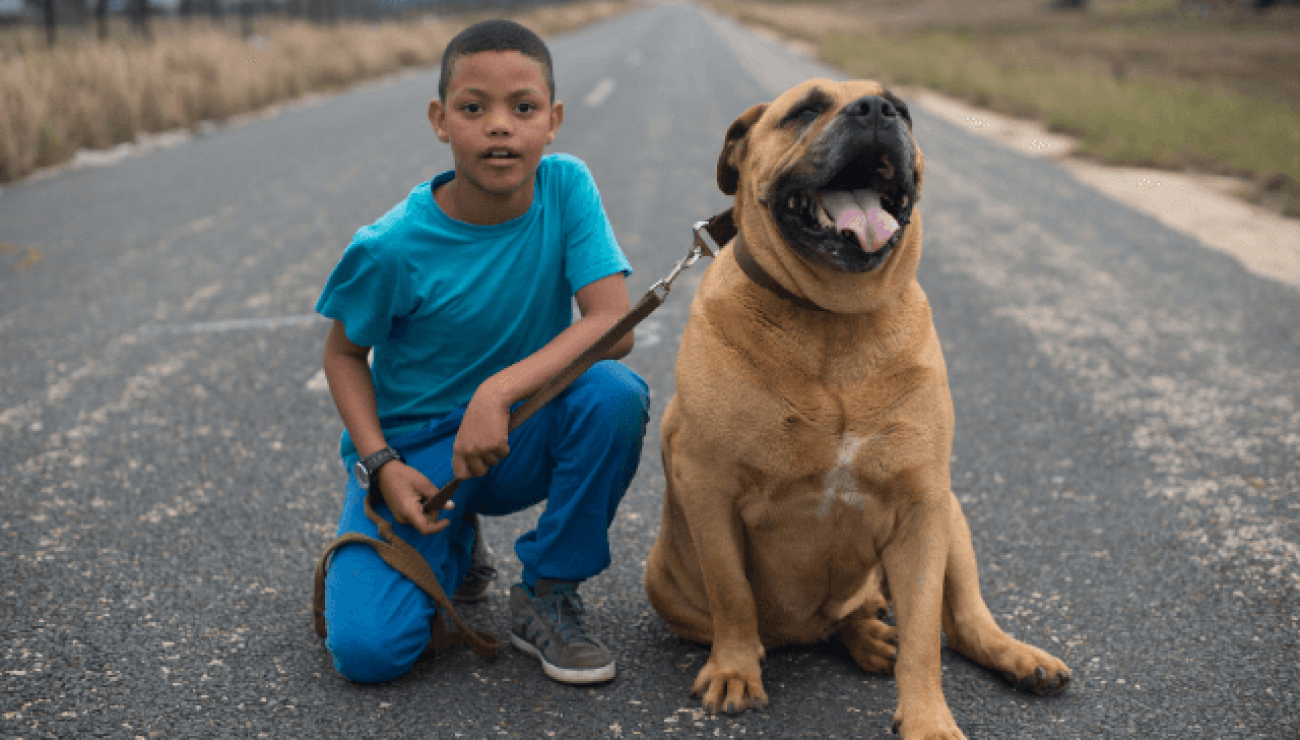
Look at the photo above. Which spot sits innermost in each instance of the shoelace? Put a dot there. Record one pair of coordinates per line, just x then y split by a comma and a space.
571, 628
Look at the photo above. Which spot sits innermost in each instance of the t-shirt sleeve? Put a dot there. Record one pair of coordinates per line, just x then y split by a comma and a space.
591, 250
362, 294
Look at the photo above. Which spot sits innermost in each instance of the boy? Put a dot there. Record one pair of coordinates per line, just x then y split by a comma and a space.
463, 290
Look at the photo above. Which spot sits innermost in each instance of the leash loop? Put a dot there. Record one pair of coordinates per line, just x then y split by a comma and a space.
704, 240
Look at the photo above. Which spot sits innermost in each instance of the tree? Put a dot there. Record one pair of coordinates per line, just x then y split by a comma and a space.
51, 22
140, 16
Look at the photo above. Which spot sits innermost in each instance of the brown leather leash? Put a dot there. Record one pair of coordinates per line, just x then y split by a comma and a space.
710, 237
399, 554
408, 561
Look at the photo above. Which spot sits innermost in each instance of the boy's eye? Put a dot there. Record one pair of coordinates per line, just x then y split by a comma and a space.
472, 108
525, 108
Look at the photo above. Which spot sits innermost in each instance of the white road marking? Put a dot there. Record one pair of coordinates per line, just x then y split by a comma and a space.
840, 483
207, 327
600, 92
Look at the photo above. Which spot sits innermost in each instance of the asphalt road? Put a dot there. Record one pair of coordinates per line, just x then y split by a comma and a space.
1128, 427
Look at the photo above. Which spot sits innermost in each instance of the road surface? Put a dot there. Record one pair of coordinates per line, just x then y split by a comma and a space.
1128, 428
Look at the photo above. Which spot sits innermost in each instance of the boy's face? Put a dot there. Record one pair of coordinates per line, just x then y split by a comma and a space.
498, 118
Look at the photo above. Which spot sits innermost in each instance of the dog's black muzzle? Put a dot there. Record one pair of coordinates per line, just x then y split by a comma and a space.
866, 146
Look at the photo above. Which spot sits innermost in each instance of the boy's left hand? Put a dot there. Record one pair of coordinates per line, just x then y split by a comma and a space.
482, 439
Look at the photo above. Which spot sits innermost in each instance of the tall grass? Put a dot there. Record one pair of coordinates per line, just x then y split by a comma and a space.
97, 95
1142, 120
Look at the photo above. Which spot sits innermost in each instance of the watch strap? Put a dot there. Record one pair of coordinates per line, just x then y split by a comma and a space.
376, 460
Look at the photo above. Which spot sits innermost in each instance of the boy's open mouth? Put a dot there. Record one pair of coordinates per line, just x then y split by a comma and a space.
501, 153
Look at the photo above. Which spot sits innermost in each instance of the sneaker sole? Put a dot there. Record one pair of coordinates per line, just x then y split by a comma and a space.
565, 675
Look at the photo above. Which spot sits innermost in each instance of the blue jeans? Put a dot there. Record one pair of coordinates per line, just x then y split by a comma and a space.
578, 453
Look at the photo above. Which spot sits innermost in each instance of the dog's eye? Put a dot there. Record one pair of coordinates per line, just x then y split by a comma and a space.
804, 115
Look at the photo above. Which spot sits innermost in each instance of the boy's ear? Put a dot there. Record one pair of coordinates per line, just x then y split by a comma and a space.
557, 118
438, 117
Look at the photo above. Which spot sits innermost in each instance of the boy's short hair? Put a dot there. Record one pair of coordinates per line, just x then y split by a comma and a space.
495, 35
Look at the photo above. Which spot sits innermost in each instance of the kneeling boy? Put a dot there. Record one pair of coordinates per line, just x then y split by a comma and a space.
463, 291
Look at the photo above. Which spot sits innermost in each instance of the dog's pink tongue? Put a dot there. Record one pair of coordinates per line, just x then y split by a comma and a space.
860, 213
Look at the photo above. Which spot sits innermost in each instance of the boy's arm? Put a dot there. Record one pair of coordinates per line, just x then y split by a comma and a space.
348, 373
481, 442
350, 383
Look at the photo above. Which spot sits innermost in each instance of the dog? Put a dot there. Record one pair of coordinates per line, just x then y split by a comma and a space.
807, 447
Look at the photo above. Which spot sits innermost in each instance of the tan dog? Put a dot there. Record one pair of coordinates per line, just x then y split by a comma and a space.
806, 450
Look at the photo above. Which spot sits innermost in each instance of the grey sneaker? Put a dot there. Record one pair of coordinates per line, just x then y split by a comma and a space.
482, 568
549, 627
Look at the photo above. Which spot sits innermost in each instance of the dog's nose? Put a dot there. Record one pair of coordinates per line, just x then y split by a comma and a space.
873, 112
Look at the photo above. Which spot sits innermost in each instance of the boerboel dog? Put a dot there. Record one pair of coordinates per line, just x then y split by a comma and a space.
806, 450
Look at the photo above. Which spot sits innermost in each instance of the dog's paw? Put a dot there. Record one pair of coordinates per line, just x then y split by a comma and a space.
1030, 669
1022, 665
872, 643
1040, 681
731, 683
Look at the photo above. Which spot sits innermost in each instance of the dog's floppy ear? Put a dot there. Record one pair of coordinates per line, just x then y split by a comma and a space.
919, 166
919, 169
733, 149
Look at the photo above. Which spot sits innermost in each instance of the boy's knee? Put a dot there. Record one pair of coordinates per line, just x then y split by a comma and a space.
618, 400
370, 655
377, 620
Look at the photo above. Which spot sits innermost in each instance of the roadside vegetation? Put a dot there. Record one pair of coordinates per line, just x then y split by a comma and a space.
1179, 85
92, 94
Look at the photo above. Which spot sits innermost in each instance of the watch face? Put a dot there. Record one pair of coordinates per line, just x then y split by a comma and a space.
362, 475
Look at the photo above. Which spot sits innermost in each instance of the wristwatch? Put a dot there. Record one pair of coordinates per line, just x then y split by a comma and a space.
367, 468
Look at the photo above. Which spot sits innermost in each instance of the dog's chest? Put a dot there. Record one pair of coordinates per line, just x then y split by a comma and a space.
816, 480
835, 450
840, 484
813, 543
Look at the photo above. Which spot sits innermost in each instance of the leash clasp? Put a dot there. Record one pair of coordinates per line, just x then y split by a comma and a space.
698, 249
704, 239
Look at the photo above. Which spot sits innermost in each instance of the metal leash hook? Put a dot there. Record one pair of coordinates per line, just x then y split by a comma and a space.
666, 284
703, 246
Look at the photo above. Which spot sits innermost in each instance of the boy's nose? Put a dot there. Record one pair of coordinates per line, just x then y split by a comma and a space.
499, 123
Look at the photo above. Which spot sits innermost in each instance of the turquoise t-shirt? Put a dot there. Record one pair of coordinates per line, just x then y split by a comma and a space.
446, 304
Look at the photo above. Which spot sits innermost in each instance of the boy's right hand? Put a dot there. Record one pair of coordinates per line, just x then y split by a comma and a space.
404, 488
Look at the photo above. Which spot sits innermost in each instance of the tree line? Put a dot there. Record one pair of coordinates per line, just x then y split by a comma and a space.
53, 14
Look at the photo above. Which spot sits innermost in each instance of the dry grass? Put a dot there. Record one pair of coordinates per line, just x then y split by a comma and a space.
94, 95
1142, 82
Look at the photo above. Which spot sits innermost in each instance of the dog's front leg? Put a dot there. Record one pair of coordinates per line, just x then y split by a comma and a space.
731, 680
915, 560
